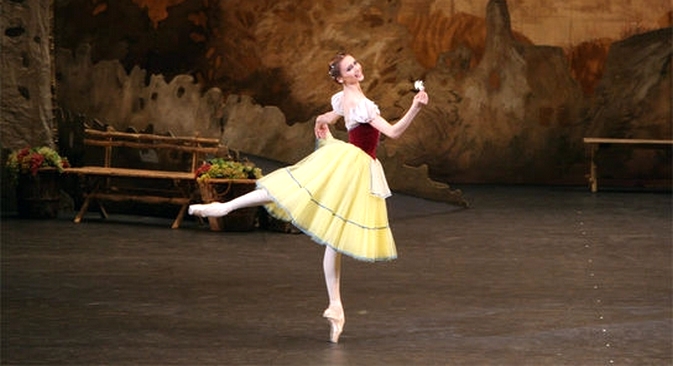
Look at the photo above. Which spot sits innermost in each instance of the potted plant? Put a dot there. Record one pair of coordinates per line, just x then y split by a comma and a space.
221, 179
35, 171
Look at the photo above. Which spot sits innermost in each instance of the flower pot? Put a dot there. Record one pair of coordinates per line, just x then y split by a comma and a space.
221, 190
38, 196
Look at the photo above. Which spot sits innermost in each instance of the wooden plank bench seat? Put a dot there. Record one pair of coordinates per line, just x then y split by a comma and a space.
130, 173
594, 144
153, 186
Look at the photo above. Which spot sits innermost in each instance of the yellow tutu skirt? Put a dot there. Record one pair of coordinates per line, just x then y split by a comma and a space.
327, 195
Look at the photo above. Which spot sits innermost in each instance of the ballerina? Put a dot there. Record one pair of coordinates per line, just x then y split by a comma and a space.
336, 195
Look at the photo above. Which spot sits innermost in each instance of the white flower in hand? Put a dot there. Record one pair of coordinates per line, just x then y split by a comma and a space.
418, 85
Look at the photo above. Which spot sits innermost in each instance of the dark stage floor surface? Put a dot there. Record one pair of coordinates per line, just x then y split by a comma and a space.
526, 276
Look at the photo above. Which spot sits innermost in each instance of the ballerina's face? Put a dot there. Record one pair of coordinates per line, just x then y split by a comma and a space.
351, 70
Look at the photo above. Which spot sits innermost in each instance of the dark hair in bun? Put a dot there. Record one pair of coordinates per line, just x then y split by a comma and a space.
334, 69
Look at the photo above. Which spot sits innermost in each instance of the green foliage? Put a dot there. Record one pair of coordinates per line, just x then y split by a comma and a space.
227, 169
29, 160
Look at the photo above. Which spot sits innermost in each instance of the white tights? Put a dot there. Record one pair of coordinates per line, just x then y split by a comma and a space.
335, 312
332, 266
258, 197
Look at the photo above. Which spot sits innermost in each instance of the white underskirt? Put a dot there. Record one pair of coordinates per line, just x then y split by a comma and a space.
379, 185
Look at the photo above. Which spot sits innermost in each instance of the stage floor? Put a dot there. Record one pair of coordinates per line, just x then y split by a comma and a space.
526, 276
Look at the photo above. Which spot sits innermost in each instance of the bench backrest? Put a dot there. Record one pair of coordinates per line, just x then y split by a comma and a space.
151, 145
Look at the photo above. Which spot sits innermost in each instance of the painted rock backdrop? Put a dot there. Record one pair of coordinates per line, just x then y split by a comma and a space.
510, 98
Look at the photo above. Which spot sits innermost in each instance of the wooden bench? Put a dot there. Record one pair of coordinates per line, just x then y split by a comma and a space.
102, 182
594, 143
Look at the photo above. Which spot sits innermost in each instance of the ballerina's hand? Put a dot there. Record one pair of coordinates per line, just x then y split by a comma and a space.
321, 130
421, 98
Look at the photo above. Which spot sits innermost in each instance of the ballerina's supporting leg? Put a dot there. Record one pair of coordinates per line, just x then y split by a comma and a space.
258, 197
334, 313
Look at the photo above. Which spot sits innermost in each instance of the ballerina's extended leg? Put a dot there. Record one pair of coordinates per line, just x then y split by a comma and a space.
258, 197
335, 312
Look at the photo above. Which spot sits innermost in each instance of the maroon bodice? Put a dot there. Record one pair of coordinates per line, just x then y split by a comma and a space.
365, 137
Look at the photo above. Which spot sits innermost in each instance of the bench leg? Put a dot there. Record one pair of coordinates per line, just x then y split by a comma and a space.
593, 177
102, 210
180, 217
82, 210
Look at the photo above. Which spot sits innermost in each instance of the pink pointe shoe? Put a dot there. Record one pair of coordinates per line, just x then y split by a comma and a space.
336, 318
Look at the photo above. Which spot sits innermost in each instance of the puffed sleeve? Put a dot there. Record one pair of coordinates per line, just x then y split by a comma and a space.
337, 103
365, 111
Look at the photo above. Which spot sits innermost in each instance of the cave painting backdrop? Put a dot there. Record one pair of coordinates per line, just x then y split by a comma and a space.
514, 85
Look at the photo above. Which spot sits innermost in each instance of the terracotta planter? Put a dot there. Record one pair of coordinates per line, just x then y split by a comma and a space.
38, 196
221, 190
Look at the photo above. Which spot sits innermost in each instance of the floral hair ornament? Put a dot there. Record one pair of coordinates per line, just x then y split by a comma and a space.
418, 85
334, 71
